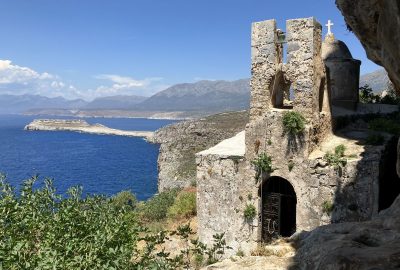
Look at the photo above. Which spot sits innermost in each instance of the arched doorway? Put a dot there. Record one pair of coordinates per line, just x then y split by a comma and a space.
278, 208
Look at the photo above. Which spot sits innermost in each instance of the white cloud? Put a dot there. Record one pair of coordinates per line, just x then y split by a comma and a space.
120, 80
121, 85
17, 80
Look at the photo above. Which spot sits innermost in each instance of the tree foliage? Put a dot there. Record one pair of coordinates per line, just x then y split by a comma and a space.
42, 230
367, 95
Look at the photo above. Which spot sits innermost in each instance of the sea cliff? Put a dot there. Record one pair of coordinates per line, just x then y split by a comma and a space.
180, 142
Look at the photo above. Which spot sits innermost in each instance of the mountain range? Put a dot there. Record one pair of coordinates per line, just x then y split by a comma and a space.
202, 97
377, 80
213, 96
20, 103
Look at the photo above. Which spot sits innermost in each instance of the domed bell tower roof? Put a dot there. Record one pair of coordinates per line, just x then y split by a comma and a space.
333, 49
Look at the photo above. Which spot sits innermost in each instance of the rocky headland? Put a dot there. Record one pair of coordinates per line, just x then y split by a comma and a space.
180, 142
84, 127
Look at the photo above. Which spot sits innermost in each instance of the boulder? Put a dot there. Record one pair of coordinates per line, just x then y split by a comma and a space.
372, 244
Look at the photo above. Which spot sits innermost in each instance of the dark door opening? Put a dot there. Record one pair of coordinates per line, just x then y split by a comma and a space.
278, 213
389, 181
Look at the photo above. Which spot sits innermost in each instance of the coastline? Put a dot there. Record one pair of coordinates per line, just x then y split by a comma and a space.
83, 127
116, 114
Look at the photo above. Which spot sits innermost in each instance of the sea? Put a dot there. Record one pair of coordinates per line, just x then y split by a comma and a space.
100, 164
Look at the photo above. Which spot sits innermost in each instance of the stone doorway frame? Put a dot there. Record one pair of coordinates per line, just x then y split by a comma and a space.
281, 195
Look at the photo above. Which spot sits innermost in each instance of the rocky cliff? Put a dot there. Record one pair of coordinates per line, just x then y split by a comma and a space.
179, 143
376, 24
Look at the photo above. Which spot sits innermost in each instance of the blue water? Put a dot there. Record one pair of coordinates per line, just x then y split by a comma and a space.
101, 164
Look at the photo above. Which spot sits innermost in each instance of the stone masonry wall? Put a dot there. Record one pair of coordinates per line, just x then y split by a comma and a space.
225, 185
221, 198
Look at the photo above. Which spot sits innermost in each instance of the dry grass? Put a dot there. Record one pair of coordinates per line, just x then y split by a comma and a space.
281, 247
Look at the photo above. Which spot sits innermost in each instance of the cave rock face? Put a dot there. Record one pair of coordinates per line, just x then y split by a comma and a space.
376, 24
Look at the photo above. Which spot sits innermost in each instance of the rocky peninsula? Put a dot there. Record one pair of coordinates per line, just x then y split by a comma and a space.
84, 127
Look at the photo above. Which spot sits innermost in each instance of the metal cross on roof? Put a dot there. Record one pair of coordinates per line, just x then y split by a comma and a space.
329, 24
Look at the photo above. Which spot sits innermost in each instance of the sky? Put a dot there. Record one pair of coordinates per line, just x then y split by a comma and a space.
94, 48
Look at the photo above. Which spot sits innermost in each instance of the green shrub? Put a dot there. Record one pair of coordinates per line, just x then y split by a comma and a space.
156, 208
336, 159
386, 125
40, 229
184, 205
263, 163
124, 199
249, 212
327, 207
375, 139
340, 149
293, 123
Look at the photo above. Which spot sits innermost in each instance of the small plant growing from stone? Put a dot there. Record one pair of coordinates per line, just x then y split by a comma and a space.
336, 159
263, 163
193, 183
249, 212
240, 253
327, 207
269, 142
340, 149
290, 165
293, 123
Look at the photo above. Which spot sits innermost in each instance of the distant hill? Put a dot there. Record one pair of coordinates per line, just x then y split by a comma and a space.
115, 102
21, 103
213, 96
377, 80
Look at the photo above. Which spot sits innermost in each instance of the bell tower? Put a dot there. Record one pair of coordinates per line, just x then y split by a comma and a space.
299, 85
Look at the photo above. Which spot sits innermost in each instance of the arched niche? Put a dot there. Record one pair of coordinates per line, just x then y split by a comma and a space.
280, 91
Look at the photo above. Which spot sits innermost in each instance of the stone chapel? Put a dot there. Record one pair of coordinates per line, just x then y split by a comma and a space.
292, 71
